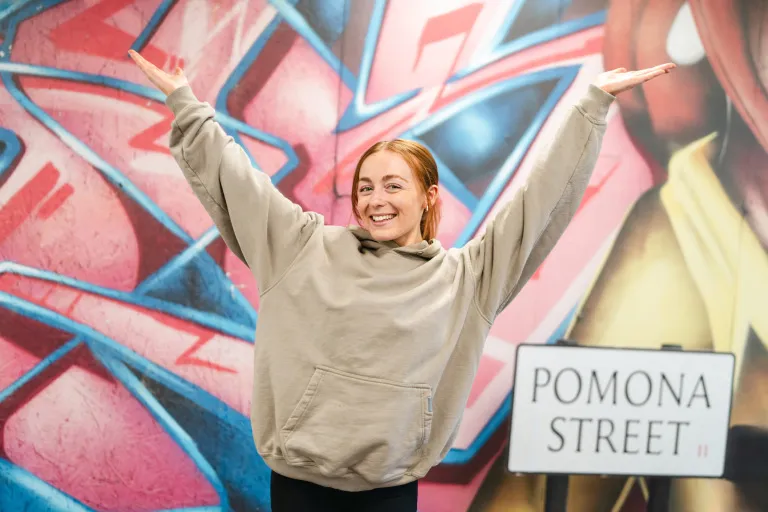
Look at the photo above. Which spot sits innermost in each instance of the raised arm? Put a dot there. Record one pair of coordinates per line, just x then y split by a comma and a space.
260, 225
526, 229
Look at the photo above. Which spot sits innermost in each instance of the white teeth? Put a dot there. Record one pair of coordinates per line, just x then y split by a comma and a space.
379, 218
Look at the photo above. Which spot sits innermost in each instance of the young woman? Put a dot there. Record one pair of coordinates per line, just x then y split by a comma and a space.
369, 337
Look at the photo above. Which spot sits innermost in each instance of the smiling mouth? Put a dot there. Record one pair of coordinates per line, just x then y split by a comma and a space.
378, 220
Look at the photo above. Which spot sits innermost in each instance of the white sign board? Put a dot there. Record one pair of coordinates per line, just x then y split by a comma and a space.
611, 411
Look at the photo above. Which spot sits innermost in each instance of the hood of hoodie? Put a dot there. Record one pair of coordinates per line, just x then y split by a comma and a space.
424, 249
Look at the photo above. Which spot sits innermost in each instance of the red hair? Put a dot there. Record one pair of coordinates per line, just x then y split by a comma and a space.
424, 167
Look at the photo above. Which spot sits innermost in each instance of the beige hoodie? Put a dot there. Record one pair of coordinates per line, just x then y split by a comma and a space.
365, 351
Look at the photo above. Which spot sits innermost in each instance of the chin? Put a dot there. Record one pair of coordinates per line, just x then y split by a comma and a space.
383, 235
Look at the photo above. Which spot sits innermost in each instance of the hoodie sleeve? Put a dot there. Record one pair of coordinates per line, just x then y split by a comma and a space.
261, 226
526, 229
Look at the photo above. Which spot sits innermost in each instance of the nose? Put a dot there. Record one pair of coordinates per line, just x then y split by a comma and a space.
377, 198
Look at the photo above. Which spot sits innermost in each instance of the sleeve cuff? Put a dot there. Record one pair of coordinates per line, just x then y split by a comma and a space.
596, 103
180, 98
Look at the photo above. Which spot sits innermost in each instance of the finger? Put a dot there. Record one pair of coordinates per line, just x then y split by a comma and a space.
140, 61
653, 73
143, 63
661, 67
137, 58
640, 77
153, 74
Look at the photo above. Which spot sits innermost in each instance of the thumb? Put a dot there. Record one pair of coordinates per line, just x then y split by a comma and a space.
178, 71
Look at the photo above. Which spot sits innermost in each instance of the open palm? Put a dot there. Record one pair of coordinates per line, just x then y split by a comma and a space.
619, 80
166, 82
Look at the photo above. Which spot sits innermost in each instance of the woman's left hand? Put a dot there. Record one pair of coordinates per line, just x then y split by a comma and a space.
620, 80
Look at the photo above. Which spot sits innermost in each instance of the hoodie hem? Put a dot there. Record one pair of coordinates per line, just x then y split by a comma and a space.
350, 482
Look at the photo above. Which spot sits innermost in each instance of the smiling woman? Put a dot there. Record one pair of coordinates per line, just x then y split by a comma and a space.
382, 327
395, 193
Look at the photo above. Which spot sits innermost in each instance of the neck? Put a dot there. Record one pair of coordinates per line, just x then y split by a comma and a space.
411, 238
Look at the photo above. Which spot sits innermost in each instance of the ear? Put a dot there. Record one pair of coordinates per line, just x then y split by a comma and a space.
432, 194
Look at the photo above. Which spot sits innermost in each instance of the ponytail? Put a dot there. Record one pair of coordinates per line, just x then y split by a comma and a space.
430, 221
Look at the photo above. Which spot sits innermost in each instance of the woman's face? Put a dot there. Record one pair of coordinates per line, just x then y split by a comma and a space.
390, 199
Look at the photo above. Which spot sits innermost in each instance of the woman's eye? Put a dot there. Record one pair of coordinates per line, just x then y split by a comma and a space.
365, 189
393, 185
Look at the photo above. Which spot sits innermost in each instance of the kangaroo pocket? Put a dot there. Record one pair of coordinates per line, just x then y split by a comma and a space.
349, 423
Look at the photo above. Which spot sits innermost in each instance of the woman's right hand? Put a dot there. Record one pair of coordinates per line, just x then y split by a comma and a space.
166, 82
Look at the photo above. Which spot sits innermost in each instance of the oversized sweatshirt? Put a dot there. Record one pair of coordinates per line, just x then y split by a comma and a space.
365, 351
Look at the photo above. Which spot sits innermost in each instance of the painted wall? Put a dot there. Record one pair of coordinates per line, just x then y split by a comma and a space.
126, 325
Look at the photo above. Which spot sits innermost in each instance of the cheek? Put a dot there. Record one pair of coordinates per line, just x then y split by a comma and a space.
408, 209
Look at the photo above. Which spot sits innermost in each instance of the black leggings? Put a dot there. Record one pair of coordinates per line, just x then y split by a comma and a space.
289, 495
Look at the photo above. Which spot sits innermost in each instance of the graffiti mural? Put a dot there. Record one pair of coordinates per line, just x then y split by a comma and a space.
126, 325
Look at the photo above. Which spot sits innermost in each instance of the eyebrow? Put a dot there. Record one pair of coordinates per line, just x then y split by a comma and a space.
386, 178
